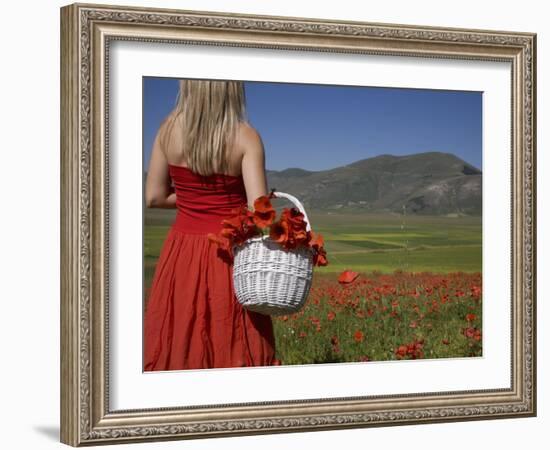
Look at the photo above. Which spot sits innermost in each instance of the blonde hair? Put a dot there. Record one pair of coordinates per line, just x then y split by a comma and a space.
210, 112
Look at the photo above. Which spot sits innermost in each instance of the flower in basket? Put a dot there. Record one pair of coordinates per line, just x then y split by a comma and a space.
289, 231
264, 214
240, 227
320, 255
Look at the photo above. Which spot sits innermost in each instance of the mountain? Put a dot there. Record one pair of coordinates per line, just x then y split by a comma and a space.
421, 183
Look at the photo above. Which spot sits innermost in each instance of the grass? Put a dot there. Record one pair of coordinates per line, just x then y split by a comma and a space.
367, 241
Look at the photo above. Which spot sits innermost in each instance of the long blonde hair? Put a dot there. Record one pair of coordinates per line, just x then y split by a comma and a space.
210, 112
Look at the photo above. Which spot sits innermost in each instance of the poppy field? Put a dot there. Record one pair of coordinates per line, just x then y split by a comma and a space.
395, 287
378, 317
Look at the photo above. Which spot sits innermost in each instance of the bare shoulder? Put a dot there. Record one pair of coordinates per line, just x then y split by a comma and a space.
163, 127
165, 135
167, 119
249, 138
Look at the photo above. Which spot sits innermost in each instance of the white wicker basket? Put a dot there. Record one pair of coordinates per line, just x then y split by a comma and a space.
270, 279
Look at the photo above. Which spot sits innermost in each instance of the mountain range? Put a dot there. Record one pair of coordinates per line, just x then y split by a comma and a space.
421, 183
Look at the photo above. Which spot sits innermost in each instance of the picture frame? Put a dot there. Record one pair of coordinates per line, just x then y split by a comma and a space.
87, 33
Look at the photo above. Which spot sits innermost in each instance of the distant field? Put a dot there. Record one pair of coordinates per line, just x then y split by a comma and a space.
367, 241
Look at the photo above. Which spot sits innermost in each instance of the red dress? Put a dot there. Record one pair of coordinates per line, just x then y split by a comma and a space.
193, 319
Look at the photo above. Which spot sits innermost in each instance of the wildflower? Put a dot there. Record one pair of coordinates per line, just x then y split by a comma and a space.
264, 213
347, 276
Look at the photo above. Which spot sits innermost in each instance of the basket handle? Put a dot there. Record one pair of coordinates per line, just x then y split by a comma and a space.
296, 202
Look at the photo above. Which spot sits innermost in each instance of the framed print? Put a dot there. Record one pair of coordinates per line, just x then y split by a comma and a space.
283, 224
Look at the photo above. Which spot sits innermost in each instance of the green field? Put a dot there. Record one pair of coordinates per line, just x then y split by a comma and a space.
385, 242
368, 241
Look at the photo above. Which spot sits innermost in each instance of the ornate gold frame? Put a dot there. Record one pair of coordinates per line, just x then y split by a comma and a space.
86, 31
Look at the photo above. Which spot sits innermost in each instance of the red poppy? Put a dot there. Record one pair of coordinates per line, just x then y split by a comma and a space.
358, 336
317, 240
401, 352
470, 332
412, 349
290, 230
347, 276
295, 218
239, 227
320, 258
264, 213
279, 231
476, 291
301, 237
231, 228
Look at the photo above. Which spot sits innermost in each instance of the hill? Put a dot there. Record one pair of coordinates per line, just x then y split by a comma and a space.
421, 183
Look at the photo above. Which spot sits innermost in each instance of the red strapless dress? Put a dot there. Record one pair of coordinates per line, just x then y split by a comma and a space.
193, 319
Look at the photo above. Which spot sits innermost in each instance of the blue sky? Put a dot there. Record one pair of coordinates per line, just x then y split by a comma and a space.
317, 127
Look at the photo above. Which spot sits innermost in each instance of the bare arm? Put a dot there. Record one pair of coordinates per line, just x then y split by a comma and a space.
253, 166
158, 192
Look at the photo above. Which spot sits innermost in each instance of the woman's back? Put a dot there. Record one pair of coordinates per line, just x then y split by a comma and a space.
175, 154
203, 202
245, 158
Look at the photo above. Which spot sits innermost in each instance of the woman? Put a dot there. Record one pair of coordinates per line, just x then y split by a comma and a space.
216, 160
